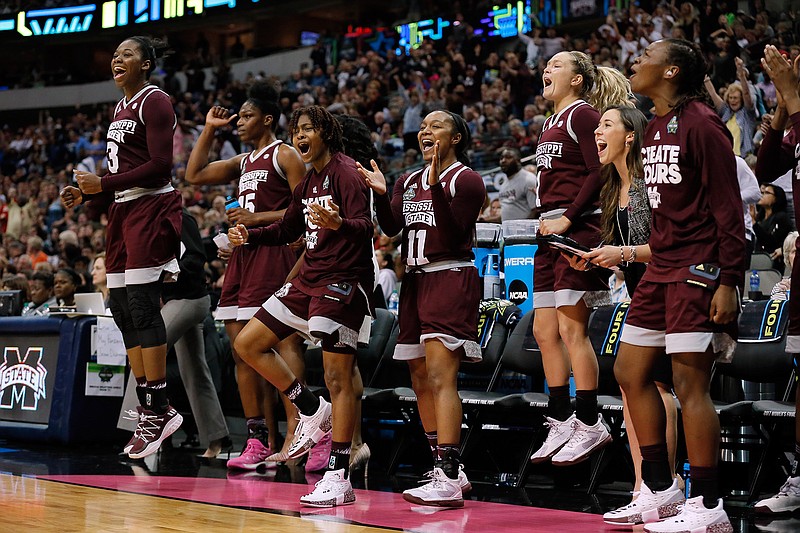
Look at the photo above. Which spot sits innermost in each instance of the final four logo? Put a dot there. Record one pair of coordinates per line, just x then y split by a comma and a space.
22, 378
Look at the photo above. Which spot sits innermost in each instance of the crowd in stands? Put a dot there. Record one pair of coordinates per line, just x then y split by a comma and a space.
494, 84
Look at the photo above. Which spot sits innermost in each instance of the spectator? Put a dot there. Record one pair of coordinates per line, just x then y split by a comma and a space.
518, 191
772, 224
737, 111
42, 297
65, 285
781, 289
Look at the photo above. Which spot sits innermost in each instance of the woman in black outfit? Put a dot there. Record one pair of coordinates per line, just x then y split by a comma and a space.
773, 224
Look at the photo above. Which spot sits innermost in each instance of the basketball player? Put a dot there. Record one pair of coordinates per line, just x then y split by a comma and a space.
326, 301
687, 301
778, 155
267, 176
144, 230
569, 184
436, 209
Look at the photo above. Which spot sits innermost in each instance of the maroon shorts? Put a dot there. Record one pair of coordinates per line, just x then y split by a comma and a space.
441, 305
680, 326
253, 274
556, 284
142, 239
316, 312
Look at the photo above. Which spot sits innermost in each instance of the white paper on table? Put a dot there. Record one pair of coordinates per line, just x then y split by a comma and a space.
108, 344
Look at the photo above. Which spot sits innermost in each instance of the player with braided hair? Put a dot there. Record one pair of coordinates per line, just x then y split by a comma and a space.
688, 299
266, 177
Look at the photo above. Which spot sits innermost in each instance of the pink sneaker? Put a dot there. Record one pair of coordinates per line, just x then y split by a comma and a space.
320, 454
252, 457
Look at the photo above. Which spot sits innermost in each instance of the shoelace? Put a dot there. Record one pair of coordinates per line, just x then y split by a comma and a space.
555, 425
147, 433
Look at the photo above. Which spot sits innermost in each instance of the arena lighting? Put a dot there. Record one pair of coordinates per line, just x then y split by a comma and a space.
107, 15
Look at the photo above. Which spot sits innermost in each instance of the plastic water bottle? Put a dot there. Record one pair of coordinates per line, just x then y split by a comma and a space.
394, 300
491, 277
687, 479
755, 285
231, 203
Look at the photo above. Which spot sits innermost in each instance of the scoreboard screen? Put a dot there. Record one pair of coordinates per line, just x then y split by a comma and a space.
107, 15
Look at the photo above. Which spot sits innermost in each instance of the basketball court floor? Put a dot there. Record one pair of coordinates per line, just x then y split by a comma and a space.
92, 488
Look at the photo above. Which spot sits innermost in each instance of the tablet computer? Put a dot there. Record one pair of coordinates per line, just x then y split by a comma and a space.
565, 244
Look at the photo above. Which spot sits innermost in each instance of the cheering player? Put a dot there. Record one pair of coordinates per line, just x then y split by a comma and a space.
569, 184
687, 301
436, 209
144, 231
267, 176
326, 301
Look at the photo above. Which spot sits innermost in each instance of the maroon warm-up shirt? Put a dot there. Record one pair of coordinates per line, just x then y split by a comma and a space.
690, 174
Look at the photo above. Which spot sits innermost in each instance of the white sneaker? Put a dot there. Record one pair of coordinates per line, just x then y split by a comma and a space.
557, 436
584, 440
694, 518
310, 430
463, 482
441, 491
786, 501
332, 490
650, 506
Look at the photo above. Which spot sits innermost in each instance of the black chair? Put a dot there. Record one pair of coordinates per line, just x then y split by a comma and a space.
760, 357
472, 377
605, 329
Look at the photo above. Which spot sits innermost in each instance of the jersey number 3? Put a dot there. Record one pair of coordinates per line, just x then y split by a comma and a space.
112, 150
416, 247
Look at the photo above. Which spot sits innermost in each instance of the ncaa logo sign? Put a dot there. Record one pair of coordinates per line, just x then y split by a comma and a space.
517, 291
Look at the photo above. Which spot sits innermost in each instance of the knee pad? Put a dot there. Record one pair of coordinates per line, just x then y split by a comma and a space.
118, 302
143, 301
337, 343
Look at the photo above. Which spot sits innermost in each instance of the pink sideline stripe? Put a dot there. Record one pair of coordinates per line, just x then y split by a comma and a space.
374, 508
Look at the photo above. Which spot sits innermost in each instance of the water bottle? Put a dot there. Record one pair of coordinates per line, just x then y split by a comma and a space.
491, 277
394, 300
231, 203
687, 479
755, 285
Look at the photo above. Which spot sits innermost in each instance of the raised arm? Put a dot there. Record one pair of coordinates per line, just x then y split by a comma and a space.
198, 169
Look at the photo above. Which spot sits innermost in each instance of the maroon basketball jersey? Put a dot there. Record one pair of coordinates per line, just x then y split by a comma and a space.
424, 241
263, 185
690, 173
563, 165
332, 256
127, 139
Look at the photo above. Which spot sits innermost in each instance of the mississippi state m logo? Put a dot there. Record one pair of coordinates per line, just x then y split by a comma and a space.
22, 378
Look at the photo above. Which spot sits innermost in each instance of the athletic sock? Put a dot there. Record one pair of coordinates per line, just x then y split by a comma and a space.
257, 429
432, 442
586, 406
558, 405
141, 383
655, 466
340, 457
156, 396
302, 398
448, 459
705, 483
